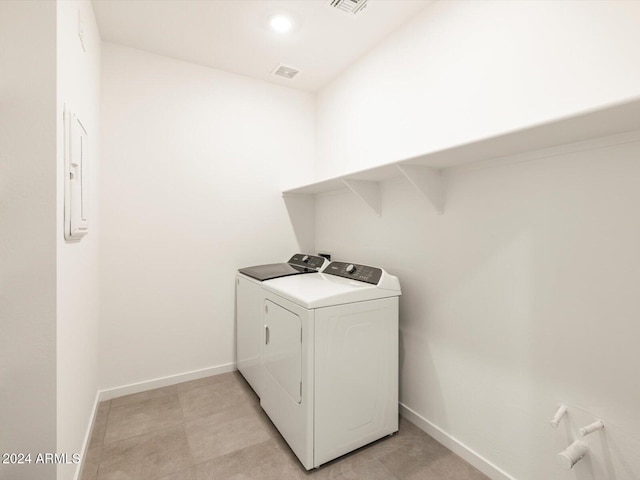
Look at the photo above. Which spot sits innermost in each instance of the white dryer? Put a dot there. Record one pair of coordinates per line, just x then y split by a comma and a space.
249, 299
330, 359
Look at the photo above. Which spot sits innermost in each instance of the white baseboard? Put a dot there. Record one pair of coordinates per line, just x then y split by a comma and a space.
467, 454
87, 437
115, 392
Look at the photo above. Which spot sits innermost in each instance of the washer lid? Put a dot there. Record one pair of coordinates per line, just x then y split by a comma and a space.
322, 290
299, 263
273, 270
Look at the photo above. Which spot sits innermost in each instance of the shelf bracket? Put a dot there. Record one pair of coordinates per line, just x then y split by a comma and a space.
367, 191
428, 181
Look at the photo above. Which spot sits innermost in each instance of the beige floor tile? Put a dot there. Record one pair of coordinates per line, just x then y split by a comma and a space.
146, 457
90, 462
143, 417
100, 423
232, 429
262, 461
214, 428
147, 395
211, 399
188, 474
373, 470
208, 381
426, 459
452, 467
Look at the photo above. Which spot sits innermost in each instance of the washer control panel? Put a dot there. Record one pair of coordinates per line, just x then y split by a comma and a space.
310, 262
362, 273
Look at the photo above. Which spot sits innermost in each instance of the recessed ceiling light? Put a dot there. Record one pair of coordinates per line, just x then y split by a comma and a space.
281, 23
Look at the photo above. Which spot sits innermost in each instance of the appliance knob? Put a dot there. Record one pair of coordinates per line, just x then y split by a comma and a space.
351, 268
305, 258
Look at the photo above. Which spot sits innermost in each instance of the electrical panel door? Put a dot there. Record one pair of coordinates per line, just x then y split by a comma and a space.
76, 217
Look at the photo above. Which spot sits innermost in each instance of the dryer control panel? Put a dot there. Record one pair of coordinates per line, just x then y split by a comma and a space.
362, 273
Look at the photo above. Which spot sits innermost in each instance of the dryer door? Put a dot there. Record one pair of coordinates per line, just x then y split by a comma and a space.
283, 348
287, 388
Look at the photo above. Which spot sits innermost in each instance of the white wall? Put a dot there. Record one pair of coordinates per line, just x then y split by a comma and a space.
467, 70
77, 263
523, 294
27, 234
193, 161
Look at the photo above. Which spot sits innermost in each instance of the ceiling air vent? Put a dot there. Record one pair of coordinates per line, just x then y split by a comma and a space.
350, 7
285, 71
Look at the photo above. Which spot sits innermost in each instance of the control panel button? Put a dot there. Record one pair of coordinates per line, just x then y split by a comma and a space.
351, 268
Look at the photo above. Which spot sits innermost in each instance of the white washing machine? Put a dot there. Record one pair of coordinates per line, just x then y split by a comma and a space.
249, 300
330, 358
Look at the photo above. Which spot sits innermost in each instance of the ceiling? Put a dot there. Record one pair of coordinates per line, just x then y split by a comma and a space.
233, 35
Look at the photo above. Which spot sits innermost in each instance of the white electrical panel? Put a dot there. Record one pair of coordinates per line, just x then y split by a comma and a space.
76, 220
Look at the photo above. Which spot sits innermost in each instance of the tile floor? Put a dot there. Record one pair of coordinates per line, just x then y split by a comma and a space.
213, 428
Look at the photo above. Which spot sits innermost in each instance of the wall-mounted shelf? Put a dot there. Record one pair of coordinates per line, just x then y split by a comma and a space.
424, 172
